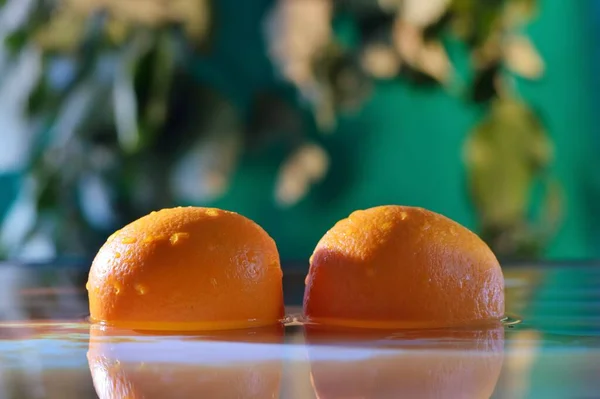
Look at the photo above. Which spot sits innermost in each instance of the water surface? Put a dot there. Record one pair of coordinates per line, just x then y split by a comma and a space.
47, 349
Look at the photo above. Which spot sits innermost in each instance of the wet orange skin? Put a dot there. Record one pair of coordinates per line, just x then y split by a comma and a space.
402, 267
116, 376
453, 363
187, 269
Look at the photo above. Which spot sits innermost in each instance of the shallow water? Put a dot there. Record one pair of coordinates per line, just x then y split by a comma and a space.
553, 353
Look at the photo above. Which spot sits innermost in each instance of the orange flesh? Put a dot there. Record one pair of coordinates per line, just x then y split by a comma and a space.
402, 267
187, 269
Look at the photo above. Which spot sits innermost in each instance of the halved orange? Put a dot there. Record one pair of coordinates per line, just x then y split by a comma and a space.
187, 269
402, 267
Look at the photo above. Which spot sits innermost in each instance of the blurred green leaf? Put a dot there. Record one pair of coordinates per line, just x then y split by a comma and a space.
125, 100
519, 12
484, 86
439, 28
500, 161
39, 97
362, 6
204, 169
343, 85
158, 82
350, 85
47, 199
552, 209
36, 16
272, 118
475, 20
505, 153
17, 39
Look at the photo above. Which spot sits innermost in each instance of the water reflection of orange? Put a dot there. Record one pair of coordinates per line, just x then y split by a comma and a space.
430, 364
123, 367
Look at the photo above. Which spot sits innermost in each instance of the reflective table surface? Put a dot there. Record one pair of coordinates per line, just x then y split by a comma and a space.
48, 350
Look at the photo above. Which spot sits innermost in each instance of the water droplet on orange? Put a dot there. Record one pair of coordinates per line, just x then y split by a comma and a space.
117, 287
117, 254
128, 240
387, 226
213, 281
152, 239
212, 212
403, 215
141, 289
178, 237
87, 286
112, 236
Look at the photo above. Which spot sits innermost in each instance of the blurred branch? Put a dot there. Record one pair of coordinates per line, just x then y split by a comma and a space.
105, 83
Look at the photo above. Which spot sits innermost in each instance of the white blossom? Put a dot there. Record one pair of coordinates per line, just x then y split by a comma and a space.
297, 32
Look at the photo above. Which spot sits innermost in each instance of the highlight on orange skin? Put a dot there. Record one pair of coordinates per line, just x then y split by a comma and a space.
187, 269
452, 364
122, 368
402, 267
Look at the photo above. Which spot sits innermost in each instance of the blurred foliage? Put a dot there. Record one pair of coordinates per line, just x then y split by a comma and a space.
507, 154
121, 124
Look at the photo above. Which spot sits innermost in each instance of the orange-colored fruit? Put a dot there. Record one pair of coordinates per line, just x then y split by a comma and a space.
212, 366
402, 267
187, 269
433, 363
